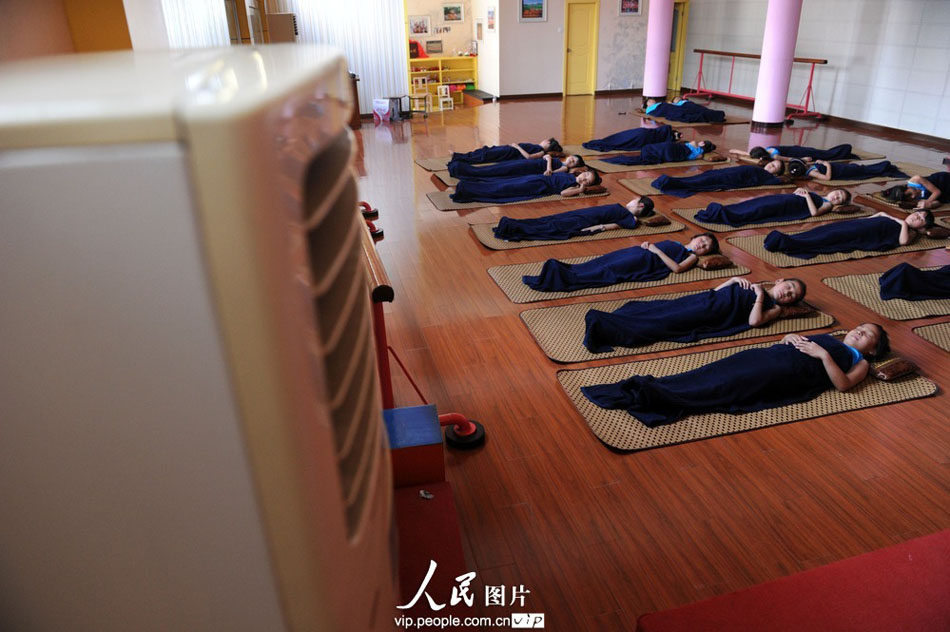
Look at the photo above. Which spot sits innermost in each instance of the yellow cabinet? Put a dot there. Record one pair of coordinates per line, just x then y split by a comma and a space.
456, 72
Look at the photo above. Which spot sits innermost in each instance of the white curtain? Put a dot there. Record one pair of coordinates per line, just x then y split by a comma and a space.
372, 35
196, 23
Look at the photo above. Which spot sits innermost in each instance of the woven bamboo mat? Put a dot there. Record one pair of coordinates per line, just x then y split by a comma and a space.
861, 155
729, 120
443, 202
754, 246
484, 234
690, 214
434, 164
580, 150
509, 280
446, 178
943, 221
878, 196
865, 289
560, 330
609, 167
619, 430
938, 334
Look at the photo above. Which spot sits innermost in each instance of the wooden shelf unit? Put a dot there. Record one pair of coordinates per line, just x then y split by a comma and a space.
445, 71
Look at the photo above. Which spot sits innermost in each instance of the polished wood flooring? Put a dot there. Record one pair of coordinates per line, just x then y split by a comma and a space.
600, 537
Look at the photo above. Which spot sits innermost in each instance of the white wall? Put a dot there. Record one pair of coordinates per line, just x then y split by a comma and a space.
532, 53
489, 77
458, 39
621, 47
146, 21
888, 60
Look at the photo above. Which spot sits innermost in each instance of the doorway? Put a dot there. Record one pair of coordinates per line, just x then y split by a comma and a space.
678, 45
580, 44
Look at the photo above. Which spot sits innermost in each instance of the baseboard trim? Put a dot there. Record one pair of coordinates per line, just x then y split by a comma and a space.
540, 95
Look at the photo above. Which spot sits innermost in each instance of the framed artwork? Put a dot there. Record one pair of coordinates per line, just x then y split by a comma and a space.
434, 47
491, 18
479, 29
419, 25
629, 7
532, 10
452, 13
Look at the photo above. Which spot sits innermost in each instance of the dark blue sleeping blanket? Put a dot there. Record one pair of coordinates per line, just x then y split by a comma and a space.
505, 169
564, 225
838, 152
655, 154
872, 234
852, 171
715, 180
620, 266
496, 153
910, 283
768, 208
686, 319
632, 139
941, 180
751, 380
513, 189
688, 112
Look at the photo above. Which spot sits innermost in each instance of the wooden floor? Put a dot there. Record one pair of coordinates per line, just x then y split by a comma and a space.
600, 537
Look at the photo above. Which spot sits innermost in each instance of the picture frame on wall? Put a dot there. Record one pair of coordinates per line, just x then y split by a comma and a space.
532, 10
491, 18
434, 47
420, 25
479, 29
629, 7
453, 13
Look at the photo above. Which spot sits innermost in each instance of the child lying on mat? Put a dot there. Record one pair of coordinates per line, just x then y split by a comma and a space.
787, 152
514, 151
684, 111
658, 153
730, 308
774, 208
913, 284
722, 179
877, 233
633, 139
519, 188
508, 168
646, 262
921, 192
582, 221
824, 170
796, 370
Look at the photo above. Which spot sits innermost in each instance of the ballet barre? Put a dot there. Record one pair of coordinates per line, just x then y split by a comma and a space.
800, 110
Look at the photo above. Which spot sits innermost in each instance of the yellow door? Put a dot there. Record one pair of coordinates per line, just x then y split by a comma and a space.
678, 45
580, 64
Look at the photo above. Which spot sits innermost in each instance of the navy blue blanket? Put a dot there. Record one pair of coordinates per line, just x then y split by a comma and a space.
751, 380
495, 153
506, 169
632, 139
872, 234
910, 283
852, 171
688, 112
564, 225
686, 319
838, 152
715, 180
654, 154
620, 266
769, 208
941, 180
513, 189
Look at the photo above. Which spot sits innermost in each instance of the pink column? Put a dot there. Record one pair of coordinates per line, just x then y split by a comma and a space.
775, 68
656, 68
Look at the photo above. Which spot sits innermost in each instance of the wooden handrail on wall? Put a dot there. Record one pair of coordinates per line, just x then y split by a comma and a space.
803, 60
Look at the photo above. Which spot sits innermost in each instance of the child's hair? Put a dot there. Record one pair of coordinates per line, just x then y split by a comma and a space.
781, 167
847, 196
580, 162
554, 147
597, 178
796, 168
883, 344
708, 146
648, 206
928, 218
895, 193
802, 284
759, 153
715, 242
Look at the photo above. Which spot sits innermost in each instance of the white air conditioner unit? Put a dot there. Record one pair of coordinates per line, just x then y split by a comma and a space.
282, 27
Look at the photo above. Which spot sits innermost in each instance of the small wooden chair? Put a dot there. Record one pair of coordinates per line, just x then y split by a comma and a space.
444, 97
420, 93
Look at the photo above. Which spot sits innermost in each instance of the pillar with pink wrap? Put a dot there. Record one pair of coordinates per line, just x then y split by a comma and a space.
656, 68
775, 68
